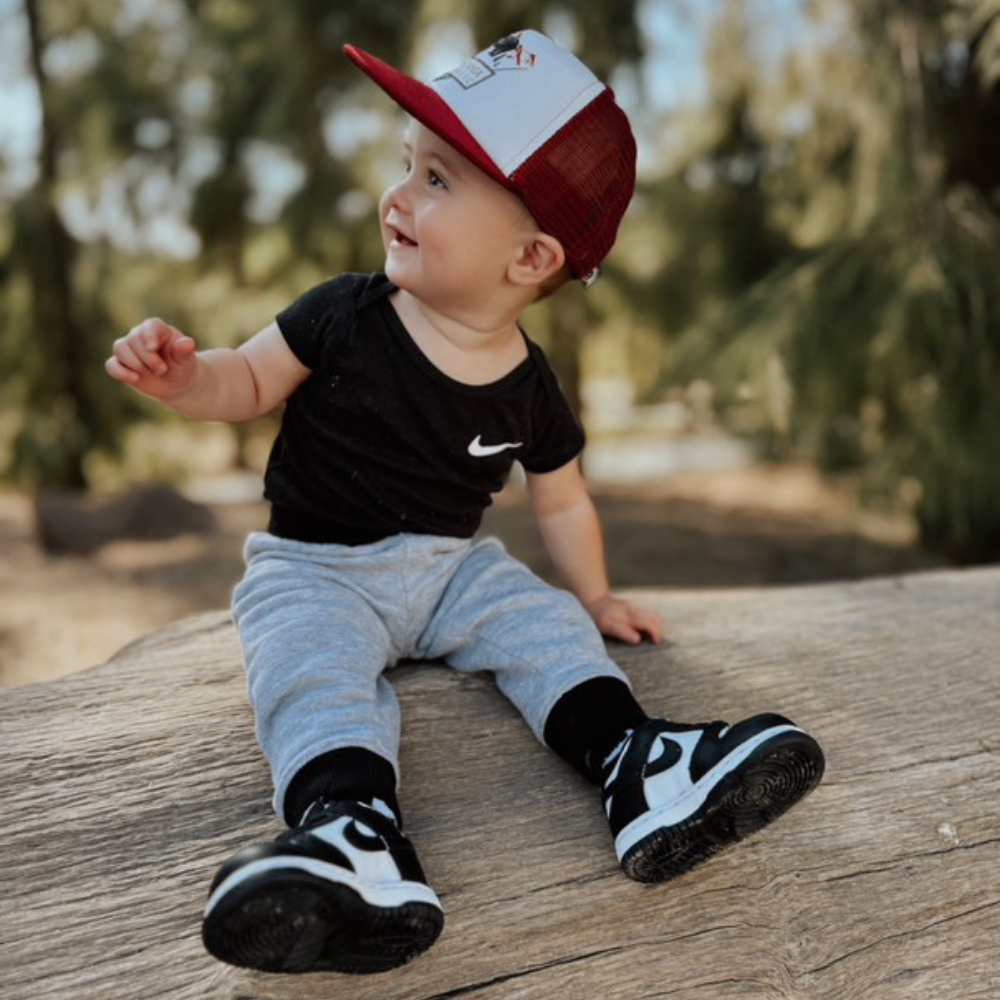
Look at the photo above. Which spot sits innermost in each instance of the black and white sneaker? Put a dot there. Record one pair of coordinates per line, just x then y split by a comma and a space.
675, 795
342, 892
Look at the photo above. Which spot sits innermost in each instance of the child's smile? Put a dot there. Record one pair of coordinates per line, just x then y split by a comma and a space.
449, 231
400, 239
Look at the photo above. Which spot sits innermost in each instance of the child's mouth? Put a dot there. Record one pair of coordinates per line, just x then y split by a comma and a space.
403, 240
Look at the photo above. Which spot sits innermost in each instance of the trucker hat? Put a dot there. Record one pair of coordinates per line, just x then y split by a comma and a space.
530, 115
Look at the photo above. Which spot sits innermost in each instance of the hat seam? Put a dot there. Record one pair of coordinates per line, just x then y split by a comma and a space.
517, 160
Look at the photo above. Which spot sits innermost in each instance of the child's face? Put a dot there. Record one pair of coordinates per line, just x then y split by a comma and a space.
449, 231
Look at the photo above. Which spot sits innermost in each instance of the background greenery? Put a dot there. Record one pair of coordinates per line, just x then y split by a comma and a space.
813, 252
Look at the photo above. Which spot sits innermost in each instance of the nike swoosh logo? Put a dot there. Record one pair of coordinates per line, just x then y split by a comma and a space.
480, 450
670, 754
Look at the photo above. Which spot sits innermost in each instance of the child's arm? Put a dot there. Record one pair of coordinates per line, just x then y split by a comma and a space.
572, 532
221, 384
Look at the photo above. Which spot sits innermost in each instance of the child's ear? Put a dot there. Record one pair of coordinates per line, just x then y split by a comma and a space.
539, 258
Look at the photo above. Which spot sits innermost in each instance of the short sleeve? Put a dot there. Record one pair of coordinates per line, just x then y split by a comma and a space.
318, 320
557, 437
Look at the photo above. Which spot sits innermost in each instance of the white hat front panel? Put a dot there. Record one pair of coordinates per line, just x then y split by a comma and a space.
514, 96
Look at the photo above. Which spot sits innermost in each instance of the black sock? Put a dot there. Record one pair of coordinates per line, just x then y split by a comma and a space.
590, 720
349, 774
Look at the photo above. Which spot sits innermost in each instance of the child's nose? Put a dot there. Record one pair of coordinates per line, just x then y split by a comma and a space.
398, 195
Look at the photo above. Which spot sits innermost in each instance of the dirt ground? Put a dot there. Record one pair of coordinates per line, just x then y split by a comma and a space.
756, 526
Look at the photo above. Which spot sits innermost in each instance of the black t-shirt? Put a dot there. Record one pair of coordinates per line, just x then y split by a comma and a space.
378, 441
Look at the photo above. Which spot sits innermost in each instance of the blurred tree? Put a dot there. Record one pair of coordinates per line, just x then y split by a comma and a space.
92, 93
280, 81
285, 79
716, 206
873, 341
826, 243
58, 425
157, 121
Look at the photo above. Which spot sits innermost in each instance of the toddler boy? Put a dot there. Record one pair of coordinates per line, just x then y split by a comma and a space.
409, 395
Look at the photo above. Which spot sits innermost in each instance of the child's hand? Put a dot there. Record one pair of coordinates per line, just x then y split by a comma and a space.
621, 620
154, 358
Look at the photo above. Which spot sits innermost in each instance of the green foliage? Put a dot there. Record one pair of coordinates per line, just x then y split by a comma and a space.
855, 320
881, 353
835, 278
152, 116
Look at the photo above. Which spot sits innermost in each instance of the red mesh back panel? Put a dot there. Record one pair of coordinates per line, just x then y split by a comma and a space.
578, 185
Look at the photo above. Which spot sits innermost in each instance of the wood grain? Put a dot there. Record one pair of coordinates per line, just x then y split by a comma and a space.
125, 786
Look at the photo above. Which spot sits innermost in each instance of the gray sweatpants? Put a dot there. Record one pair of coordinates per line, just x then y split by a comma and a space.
320, 623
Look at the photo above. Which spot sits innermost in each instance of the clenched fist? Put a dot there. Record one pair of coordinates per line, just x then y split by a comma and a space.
154, 358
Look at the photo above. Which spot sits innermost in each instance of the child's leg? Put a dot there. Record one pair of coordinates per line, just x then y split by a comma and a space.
674, 794
315, 650
545, 651
343, 890
588, 722
348, 774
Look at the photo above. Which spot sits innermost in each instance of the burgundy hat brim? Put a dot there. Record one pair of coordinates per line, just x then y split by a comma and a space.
429, 108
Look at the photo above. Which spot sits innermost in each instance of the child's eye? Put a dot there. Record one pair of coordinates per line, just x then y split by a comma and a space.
435, 179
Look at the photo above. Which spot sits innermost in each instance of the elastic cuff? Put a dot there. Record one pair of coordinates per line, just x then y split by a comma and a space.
348, 773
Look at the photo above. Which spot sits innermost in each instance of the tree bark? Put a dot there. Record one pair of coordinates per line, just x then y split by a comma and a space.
125, 786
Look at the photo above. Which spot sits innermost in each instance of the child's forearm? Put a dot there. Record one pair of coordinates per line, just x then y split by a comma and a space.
223, 388
575, 542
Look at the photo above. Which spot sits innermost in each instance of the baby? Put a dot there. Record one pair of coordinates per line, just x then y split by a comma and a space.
409, 394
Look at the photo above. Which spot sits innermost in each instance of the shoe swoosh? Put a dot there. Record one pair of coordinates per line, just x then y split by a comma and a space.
480, 450
363, 838
672, 753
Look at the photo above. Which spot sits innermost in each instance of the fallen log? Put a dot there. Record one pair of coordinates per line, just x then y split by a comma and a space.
126, 785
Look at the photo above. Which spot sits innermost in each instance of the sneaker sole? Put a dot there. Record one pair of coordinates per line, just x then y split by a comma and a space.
290, 921
776, 775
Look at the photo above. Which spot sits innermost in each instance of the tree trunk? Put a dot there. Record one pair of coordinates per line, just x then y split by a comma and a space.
53, 313
125, 786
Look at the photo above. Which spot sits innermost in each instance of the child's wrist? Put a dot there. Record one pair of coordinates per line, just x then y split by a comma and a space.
186, 392
594, 603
